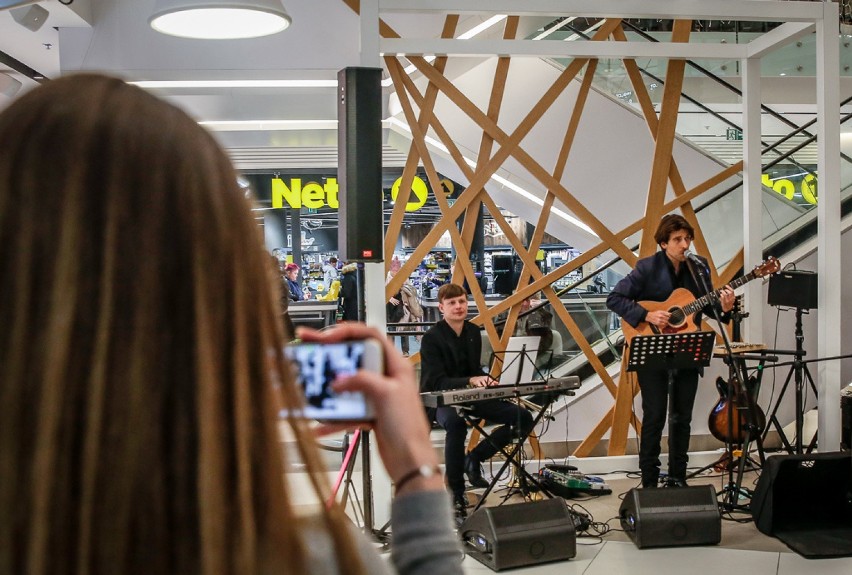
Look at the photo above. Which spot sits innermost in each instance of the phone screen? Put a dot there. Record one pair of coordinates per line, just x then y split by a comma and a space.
316, 366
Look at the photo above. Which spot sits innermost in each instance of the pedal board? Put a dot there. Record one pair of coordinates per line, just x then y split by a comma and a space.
570, 482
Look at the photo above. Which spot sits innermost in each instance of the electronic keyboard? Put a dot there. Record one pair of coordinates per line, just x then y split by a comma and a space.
473, 394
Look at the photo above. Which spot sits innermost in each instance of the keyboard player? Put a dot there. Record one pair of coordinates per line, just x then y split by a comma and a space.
450, 353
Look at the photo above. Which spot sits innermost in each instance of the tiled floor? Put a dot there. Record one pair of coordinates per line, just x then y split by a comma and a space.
743, 549
616, 557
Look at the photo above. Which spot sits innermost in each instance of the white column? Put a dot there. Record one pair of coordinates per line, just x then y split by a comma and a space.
827, 373
752, 197
374, 273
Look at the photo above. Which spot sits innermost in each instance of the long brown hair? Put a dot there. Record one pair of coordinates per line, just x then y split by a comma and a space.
140, 348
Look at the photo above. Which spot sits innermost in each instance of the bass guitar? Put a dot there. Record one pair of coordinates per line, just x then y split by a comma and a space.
683, 306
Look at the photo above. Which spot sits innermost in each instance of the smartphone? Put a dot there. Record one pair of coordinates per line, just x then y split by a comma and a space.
316, 366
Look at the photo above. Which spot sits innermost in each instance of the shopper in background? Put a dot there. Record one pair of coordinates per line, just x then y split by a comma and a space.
395, 309
348, 296
291, 271
329, 273
283, 298
142, 369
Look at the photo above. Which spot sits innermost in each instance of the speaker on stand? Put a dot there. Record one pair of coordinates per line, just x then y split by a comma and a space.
359, 158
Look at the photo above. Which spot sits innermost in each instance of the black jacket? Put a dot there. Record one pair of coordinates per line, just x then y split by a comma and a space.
443, 363
653, 279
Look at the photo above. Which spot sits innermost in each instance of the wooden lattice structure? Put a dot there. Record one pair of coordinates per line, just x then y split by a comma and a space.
496, 145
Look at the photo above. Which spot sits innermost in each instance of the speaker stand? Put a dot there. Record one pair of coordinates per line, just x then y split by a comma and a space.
799, 373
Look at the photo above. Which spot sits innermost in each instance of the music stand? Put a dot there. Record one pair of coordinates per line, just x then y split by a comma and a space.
670, 352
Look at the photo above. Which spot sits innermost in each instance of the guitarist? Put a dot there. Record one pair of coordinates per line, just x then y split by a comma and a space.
655, 278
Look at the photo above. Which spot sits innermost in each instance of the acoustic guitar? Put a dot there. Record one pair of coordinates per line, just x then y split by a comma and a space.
683, 306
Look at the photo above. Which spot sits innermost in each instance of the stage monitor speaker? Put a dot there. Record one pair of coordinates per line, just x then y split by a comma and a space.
672, 516
793, 288
804, 492
521, 534
359, 158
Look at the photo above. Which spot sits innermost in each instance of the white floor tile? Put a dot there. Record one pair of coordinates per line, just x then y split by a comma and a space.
620, 557
794, 564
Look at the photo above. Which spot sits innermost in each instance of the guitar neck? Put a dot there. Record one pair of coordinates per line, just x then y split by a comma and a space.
713, 296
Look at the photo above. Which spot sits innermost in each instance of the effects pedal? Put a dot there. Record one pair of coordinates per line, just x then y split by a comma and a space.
570, 483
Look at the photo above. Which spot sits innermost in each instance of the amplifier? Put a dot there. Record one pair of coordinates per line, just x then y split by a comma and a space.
793, 288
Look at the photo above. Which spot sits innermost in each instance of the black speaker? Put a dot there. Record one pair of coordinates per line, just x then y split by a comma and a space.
504, 274
668, 517
359, 158
804, 492
793, 288
521, 534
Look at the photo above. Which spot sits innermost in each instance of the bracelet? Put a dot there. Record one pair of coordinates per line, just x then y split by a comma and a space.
425, 471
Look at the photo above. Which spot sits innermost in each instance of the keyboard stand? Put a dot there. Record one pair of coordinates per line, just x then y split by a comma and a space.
512, 455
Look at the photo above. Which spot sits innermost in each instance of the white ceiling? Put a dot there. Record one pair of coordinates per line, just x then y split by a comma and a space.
113, 36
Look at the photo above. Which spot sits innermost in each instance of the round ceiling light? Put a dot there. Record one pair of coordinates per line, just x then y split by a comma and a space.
219, 19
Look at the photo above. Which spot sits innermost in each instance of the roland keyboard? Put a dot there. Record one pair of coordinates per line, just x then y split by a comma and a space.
473, 394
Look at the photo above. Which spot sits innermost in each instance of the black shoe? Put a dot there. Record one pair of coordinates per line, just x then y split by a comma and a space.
650, 482
460, 509
473, 470
676, 482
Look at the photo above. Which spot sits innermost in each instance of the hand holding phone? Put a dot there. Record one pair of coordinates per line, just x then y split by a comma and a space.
317, 365
399, 426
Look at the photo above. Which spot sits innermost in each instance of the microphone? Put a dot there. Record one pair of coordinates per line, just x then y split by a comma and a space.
691, 256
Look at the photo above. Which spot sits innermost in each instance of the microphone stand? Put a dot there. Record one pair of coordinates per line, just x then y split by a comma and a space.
731, 492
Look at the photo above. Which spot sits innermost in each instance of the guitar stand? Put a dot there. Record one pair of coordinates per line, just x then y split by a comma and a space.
733, 491
746, 418
512, 456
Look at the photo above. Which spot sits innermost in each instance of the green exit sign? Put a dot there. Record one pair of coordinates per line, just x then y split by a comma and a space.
734, 134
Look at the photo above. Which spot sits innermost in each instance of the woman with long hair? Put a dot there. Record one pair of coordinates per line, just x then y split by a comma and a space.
141, 366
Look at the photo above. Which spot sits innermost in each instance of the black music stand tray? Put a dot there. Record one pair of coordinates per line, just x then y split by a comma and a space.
670, 352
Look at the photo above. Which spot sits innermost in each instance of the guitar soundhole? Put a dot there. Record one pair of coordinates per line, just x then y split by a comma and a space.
677, 316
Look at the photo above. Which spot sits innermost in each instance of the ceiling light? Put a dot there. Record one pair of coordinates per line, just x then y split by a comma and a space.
219, 19
30, 17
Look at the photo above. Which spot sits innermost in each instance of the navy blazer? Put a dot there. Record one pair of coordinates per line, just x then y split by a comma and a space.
653, 279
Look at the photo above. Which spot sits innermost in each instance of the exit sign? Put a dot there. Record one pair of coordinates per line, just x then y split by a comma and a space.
734, 134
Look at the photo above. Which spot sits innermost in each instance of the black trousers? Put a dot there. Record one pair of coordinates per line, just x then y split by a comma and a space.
508, 414
655, 398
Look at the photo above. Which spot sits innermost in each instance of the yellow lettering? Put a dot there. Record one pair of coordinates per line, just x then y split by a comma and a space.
313, 196
810, 189
418, 188
281, 192
785, 188
331, 191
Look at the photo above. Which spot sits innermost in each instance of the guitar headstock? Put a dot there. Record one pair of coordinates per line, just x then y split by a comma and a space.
770, 266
